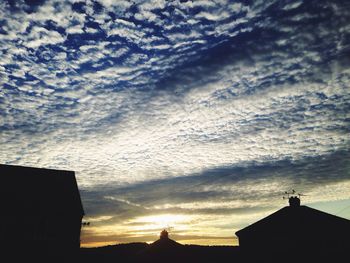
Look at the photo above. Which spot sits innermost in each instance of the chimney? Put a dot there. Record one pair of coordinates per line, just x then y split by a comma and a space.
294, 201
164, 234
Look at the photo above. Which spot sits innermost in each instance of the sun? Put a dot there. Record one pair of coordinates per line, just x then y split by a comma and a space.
161, 221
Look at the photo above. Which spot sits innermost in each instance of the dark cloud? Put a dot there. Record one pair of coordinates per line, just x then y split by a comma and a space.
29, 6
219, 185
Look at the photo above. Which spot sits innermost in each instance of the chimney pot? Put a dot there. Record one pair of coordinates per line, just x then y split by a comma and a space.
294, 201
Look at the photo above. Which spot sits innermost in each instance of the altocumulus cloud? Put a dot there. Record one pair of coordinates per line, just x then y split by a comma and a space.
202, 108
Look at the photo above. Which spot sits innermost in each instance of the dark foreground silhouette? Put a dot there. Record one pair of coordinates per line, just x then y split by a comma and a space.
173, 252
156, 253
160, 251
41, 217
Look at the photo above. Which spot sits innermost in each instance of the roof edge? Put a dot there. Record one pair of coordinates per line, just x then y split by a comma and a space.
34, 168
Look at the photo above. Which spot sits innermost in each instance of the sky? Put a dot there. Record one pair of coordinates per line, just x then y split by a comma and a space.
194, 116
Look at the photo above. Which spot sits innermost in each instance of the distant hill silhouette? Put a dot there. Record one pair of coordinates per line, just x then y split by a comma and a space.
162, 250
112, 253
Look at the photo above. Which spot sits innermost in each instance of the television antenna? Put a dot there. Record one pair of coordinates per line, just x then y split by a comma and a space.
292, 193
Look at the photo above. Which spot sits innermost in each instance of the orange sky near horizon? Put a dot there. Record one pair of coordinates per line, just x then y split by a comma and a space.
180, 229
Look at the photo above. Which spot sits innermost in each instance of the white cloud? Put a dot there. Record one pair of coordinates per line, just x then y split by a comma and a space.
152, 4
41, 36
132, 34
91, 30
112, 72
77, 29
147, 16
213, 16
176, 37
119, 5
161, 47
292, 5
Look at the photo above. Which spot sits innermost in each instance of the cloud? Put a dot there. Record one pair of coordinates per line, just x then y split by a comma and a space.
221, 199
229, 190
172, 103
41, 36
292, 5
74, 30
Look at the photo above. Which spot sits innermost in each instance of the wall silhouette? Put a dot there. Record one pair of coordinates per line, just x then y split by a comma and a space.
41, 213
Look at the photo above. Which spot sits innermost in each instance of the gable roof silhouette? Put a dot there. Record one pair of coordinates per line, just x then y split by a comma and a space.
164, 243
37, 191
301, 222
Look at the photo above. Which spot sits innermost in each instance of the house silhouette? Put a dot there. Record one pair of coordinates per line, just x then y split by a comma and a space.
40, 213
295, 231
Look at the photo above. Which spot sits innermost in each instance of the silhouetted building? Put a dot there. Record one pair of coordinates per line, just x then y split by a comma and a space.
297, 229
40, 210
162, 250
